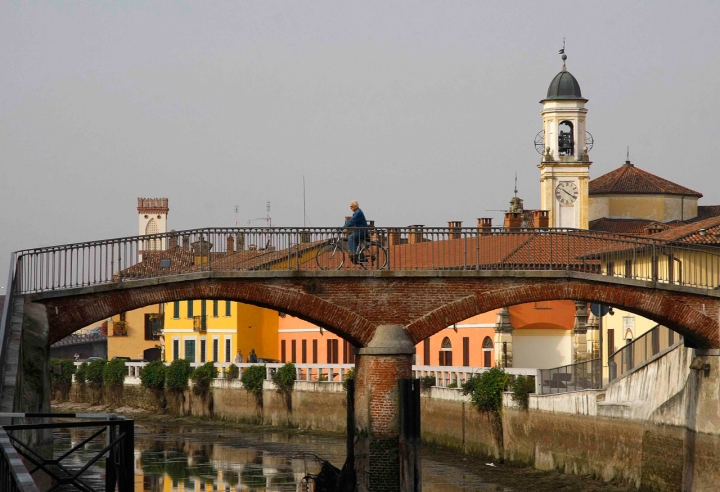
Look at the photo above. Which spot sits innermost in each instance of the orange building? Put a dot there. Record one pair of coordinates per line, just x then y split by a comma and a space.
539, 335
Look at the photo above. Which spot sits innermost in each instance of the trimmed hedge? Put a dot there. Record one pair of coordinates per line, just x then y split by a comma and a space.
81, 373
284, 378
252, 379
114, 373
232, 372
153, 375
61, 371
486, 390
177, 375
94, 374
523, 386
203, 376
426, 383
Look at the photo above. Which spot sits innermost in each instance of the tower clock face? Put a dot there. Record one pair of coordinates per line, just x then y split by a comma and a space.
566, 192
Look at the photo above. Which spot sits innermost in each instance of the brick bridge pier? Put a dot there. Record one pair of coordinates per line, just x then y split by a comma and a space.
384, 314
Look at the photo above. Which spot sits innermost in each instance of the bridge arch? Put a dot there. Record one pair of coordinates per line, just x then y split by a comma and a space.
674, 312
352, 306
72, 316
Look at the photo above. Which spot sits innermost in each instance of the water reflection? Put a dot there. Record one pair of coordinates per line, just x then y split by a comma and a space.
208, 459
212, 459
181, 460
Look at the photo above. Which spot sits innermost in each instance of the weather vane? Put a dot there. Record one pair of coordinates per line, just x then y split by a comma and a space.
562, 52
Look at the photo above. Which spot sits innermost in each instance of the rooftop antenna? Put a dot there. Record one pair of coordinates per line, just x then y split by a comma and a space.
304, 213
267, 219
563, 55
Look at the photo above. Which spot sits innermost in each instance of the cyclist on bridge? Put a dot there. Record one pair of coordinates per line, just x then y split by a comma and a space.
356, 235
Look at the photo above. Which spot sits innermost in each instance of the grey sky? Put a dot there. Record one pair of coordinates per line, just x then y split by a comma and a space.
422, 111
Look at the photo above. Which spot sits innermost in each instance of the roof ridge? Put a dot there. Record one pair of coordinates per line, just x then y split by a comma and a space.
622, 172
521, 245
688, 229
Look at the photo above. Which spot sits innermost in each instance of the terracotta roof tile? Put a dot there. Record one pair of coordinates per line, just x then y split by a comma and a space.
620, 226
266, 259
630, 226
701, 232
628, 179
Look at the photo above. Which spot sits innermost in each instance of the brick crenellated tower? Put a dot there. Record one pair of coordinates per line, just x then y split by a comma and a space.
152, 219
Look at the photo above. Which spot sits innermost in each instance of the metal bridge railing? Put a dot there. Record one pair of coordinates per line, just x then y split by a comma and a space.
5, 317
117, 432
400, 248
647, 346
14, 477
78, 338
572, 377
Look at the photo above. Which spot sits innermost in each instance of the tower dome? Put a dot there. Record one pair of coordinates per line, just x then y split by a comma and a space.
564, 86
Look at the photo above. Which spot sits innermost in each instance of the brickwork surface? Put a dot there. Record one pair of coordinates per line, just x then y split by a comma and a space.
353, 306
377, 461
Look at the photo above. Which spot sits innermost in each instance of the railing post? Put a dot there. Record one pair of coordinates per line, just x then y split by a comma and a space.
110, 469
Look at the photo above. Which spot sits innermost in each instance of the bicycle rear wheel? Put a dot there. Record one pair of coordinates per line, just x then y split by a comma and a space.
373, 256
330, 257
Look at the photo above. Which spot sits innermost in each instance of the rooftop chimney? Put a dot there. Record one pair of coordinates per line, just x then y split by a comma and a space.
394, 236
173, 240
513, 219
541, 219
485, 225
230, 244
455, 227
415, 234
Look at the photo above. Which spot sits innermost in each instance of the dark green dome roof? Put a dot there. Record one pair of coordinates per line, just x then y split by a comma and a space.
564, 86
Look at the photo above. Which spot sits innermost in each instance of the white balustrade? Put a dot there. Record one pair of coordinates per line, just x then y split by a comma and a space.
444, 375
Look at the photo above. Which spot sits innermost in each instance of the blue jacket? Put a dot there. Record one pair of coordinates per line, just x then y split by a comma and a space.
357, 219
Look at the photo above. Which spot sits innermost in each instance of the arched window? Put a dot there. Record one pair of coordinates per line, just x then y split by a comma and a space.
487, 350
446, 352
566, 140
152, 228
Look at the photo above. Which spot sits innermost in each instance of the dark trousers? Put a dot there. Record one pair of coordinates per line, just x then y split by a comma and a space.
354, 239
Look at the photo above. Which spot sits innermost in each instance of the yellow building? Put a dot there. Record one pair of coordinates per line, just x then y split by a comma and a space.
136, 334
210, 330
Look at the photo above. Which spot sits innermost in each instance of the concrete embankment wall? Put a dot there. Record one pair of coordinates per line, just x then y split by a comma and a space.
315, 405
656, 429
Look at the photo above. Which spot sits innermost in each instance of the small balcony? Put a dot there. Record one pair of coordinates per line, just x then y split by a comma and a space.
200, 323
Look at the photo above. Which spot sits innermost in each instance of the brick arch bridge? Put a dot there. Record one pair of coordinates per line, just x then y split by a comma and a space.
432, 279
352, 306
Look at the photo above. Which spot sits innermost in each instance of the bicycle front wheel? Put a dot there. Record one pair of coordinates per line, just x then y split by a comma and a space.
373, 257
330, 257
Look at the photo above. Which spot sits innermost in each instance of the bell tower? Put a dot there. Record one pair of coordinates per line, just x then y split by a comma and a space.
564, 144
152, 219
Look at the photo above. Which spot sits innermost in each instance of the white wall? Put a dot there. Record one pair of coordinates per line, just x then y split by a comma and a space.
542, 348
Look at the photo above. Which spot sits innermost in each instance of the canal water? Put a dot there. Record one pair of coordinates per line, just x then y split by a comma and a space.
205, 458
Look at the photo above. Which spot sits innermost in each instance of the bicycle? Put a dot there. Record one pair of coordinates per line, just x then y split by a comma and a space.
370, 254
